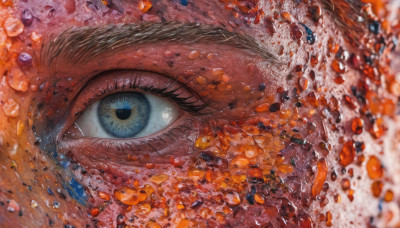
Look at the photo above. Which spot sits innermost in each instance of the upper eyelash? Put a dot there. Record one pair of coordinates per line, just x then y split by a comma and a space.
183, 102
192, 104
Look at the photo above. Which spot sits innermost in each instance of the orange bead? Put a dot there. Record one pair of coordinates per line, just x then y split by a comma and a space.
11, 108
13, 26
388, 107
303, 83
103, 195
333, 47
329, 219
378, 129
251, 151
145, 5
388, 195
194, 54
20, 127
150, 165
158, 179
17, 80
357, 126
345, 183
232, 199
338, 67
262, 107
95, 212
287, 17
376, 188
129, 196
374, 168
259, 198
143, 209
241, 161
203, 142
312, 99
196, 174
347, 154
320, 177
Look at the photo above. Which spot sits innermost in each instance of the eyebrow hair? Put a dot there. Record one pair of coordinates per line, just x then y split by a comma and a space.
82, 44
348, 16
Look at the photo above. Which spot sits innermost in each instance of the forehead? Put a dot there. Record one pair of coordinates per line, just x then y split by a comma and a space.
238, 12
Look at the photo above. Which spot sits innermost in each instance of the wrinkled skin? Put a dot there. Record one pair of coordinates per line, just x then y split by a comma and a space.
266, 151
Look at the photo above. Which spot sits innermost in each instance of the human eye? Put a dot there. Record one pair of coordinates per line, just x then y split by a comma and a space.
127, 115
135, 106
125, 109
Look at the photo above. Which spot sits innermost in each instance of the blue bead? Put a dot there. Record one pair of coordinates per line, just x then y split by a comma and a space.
311, 37
50, 191
184, 2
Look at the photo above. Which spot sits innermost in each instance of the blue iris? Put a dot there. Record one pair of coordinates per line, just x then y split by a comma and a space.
123, 115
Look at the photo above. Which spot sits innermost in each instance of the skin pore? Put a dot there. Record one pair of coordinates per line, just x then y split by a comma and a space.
287, 113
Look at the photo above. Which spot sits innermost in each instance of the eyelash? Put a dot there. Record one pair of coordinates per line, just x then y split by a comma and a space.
182, 102
190, 103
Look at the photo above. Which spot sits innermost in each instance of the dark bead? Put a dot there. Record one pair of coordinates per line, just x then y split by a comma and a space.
27, 17
24, 59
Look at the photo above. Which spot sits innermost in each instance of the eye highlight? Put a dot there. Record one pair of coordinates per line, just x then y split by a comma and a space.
127, 115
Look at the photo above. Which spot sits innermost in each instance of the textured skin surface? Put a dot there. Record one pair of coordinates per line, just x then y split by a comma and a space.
266, 152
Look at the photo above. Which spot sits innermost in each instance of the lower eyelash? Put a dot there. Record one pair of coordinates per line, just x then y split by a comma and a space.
167, 138
144, 148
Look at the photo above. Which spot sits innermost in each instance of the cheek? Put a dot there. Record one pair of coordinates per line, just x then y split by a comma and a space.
262, 163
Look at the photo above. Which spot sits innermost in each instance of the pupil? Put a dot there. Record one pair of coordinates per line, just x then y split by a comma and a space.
123, 113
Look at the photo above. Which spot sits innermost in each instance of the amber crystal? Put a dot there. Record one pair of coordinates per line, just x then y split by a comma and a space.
388, 195
145, 5
376, 188
130, 196
345, 183
262, 107
347, 154
303, 83
232, 198
374, 168
320, 177
357, 126
13, 26
378, 128
338, 66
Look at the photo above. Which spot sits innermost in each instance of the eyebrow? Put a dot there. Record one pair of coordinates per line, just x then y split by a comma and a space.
83, 44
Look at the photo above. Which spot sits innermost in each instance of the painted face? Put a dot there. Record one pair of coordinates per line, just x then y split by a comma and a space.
183, 113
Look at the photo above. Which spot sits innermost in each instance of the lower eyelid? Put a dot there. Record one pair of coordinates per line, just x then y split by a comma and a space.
172, 142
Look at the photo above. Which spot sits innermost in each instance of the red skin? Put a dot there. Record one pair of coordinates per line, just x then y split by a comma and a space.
295, 203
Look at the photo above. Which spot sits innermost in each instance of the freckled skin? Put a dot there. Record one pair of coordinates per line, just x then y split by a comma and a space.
272, 149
